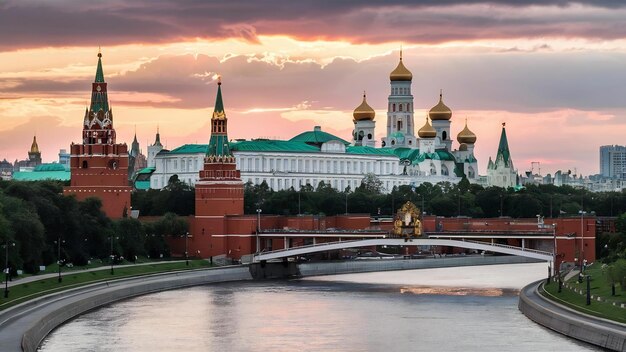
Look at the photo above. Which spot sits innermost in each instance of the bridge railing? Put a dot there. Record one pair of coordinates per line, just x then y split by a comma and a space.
510, 247
306, 246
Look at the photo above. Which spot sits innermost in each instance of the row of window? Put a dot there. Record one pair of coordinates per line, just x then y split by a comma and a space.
279, 184
269, 164
401, 107
186, 165
400, 90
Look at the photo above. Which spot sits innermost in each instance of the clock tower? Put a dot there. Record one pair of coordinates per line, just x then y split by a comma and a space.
99, 165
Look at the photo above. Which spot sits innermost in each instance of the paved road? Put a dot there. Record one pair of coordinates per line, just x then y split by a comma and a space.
32, 278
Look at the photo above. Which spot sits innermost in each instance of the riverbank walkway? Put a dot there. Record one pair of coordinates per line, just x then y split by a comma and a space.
598, 331
32, 278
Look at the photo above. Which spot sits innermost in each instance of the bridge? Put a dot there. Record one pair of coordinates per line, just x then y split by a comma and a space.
330, 246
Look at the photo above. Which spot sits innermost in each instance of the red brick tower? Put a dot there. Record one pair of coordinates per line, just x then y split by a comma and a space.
99, 166
219, 192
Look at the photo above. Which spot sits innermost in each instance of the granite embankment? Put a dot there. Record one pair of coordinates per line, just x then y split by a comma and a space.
601, 332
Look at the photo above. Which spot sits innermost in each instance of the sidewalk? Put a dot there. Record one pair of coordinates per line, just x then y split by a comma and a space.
27, 279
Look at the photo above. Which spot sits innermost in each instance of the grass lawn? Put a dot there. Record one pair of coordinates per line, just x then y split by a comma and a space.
26, 291
599, 287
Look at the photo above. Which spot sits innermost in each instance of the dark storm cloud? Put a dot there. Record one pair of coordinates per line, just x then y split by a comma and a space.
26, 24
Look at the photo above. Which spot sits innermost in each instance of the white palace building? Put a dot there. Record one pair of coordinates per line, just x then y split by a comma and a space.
405, 158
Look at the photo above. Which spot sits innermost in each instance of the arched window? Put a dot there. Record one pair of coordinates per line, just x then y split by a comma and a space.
85, 165
394, 107
400, 107
399, 125
444, 135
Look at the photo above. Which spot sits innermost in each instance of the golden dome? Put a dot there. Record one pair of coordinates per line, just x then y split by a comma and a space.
34, 148
466, 136
401, 73
427, 131
440, 111
364, 111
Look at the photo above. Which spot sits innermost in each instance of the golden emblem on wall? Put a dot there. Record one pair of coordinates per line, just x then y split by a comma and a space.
407, 223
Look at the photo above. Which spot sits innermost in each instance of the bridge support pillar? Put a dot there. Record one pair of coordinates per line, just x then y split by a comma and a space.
274, 270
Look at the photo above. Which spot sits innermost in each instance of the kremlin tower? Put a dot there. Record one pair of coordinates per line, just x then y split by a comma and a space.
219, 192
99, 166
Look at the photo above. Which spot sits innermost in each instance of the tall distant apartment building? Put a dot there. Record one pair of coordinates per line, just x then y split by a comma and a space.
613, 161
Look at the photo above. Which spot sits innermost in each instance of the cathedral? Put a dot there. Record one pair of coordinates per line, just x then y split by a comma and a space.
313, 157
429, 153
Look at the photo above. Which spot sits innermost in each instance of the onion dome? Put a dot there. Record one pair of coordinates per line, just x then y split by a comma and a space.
427, 131
34, 148
440, 111
401, 73
466, 136
364, 111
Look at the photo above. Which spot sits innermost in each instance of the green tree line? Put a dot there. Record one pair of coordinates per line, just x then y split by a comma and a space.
35, 217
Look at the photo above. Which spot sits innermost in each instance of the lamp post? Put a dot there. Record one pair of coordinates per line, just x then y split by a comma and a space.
582, 239
58, 242
186, 252
112, 256
554, 271
346, 203
501, 205
6, 267
258, 229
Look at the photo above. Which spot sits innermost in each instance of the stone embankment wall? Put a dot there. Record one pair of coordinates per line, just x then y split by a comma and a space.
362, 266
569, 322
106, 293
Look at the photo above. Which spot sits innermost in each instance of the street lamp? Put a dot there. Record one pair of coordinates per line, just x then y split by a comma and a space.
186, 253
258, 229
582, 239
554, 271
58, 242
6, 267
112, 256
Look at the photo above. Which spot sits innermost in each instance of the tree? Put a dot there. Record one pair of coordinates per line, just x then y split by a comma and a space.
371, 184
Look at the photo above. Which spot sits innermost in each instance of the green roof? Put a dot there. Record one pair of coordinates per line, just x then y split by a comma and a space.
358, 149
190, 149
143, 185
50, 167
317, 137
444, 155
147, 170
268, 145
99, 72
503, 149
41, 175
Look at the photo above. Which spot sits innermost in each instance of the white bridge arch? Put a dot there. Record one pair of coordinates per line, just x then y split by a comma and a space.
477, 245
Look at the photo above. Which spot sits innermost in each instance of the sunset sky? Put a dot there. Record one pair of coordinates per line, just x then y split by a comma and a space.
554, 71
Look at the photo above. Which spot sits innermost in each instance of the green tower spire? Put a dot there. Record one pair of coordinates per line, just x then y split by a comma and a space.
503, 148
218, 145
99, 72
99, 97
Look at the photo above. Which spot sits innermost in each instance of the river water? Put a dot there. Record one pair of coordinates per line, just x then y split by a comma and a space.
447, 309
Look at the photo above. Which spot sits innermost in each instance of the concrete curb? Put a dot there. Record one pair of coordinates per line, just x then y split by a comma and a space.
34, 321
568, 322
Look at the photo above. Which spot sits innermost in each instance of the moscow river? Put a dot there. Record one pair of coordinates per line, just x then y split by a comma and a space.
447, 309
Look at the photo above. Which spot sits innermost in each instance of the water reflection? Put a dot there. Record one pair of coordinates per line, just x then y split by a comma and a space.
311, 315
